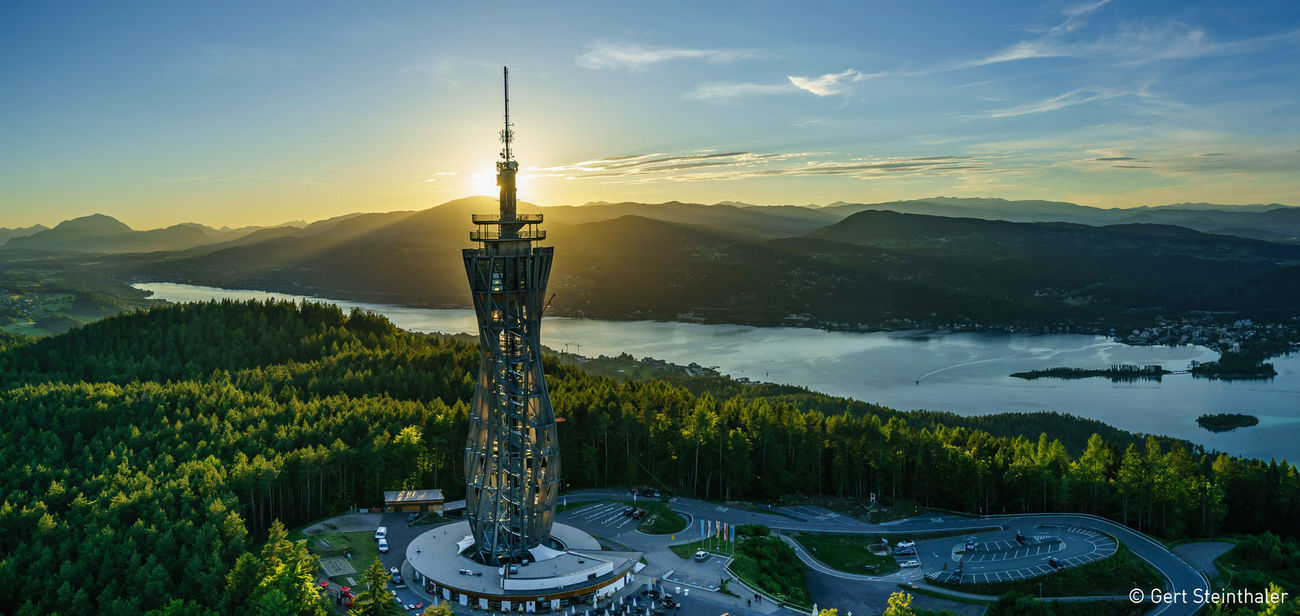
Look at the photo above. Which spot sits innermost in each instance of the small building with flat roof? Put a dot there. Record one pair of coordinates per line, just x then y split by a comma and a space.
413, 500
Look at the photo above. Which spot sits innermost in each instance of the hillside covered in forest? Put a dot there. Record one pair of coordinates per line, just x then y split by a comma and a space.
151, 451
722, 263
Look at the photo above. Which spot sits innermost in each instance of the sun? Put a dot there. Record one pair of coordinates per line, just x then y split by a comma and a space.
485, 184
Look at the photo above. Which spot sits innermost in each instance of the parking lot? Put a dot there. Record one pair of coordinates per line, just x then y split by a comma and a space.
603, 515
1000, 557
1011, 549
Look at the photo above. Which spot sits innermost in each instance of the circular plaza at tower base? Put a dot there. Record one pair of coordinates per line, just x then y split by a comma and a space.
575, 572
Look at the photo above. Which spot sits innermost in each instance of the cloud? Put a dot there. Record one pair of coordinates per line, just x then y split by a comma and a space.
727, 92
611, 54
824, 85
434, 177
1130, 43
1075, 16
719, 166
1069, 99
1115, 158
828, 84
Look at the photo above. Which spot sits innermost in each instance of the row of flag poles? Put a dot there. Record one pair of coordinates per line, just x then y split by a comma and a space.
721, 531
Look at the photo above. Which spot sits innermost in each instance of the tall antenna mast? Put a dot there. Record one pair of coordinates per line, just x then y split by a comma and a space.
507, 135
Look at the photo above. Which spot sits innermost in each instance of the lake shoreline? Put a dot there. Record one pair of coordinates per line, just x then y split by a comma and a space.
559, 313
963, 373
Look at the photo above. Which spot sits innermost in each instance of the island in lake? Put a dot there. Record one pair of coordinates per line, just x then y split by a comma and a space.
1226, 422
1233, 366
1117, 372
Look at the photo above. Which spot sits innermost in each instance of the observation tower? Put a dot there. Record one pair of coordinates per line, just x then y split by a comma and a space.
509, 554
512, 459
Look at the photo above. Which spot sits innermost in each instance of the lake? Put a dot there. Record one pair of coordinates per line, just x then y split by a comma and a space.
965, 373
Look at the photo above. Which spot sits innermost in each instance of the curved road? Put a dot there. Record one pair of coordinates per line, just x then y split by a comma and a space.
1181, 579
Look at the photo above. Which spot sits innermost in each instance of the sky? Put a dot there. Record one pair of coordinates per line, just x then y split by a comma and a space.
258, 113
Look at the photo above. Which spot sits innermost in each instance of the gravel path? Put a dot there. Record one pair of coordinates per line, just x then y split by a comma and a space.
348, 523
1202, 554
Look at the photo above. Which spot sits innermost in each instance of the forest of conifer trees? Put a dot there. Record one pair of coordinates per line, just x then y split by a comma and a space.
148, 452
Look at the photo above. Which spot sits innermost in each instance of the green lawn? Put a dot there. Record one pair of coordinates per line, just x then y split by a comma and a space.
772, 566
847, 553
1111, 576
361, 543
766, 563
713, 545
661, 520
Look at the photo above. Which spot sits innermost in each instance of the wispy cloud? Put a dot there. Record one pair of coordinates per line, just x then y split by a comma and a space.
823, 85
1069, 99
719, 166
828, 84
434, 177
1130, 43
727, 92
1076, 16
613, 54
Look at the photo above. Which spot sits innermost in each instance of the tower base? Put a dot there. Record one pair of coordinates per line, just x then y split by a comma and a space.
576, 572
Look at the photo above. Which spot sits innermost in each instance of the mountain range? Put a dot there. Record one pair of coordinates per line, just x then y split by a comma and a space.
730, 263
104, 234
1272, 222
6, 233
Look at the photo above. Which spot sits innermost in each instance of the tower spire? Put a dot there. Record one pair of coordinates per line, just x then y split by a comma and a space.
507, 134
507, 167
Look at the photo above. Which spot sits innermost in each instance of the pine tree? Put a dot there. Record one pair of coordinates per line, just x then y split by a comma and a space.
374, 600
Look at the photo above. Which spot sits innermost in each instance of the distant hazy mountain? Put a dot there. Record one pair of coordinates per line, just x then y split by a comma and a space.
888, 229
101, 233
748, 220
1268, 222
6, 234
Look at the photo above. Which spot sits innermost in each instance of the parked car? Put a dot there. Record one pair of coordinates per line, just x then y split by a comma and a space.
908, 564
413, 516
383, 546
381, 533
397, 577
970, 544
1055, 564
629, 510
1020, 537
701, 556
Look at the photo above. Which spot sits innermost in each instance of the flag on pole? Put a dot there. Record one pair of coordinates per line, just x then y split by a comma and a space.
733, 534
702, 528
